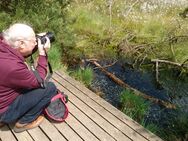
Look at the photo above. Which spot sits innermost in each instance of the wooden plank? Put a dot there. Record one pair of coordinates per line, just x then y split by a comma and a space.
38, 135
68, 132
127, 120
6, 134
87, 122
23, 136
105, 114
98, 119
51, 131
109, 128
83, 132
82, 128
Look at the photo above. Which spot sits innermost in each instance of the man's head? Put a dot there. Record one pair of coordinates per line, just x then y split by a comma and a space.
21, 37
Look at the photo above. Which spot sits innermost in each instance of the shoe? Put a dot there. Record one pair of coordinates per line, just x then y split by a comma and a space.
19, 127
2, 124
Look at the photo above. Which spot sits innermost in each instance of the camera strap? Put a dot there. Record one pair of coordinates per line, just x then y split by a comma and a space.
49, 75
43, 83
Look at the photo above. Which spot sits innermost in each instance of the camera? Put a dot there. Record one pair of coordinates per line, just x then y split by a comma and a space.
51, 37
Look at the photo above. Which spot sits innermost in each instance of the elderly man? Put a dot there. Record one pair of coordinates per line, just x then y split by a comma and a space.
22, 100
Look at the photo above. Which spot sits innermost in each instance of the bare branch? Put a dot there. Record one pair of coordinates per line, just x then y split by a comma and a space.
167, 62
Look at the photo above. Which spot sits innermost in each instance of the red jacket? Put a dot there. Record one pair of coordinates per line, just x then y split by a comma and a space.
15, 75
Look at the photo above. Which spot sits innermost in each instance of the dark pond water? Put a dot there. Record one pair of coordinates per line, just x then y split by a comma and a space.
145, 82
142, 81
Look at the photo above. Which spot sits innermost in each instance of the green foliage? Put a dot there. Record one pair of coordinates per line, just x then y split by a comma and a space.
92, 37
133, 105
129, 22
88, 22
43, 16
54, 56
181, 52
83, 30
83, 75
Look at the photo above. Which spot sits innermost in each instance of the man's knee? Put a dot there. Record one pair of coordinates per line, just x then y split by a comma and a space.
51, 88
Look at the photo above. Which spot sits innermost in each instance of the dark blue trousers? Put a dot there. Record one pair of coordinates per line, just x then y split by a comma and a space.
29, 105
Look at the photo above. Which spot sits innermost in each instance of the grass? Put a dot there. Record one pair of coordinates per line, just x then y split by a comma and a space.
92, 28
83, 75
133, 105
92, 37
151, 127
54, 57
181, 51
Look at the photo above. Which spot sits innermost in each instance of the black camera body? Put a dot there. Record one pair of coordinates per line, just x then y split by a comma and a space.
51, 37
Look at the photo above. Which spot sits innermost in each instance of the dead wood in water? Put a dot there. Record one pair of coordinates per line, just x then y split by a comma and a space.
123, 84
157, 61
107, 65
166, 62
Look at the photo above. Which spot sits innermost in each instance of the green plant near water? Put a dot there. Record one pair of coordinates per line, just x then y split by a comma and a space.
134, 106
83, 75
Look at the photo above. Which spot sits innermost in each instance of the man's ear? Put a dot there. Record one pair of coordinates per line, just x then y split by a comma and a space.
21, 44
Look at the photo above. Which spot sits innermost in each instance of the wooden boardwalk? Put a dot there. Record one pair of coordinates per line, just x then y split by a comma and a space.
91, 119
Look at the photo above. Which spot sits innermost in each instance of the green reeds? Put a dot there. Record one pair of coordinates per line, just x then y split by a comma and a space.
134, 106
83, 75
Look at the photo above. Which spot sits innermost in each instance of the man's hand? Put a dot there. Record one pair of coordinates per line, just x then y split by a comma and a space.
43, 48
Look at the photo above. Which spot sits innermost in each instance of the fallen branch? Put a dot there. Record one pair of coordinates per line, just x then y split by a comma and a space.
123, 84
107, 65
167, 62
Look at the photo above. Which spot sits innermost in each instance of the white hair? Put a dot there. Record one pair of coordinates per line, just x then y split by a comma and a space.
16, 32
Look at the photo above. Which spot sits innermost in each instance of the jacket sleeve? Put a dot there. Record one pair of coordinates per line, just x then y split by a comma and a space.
20, 77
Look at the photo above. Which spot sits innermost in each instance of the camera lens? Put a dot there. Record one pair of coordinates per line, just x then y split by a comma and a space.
50, 35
